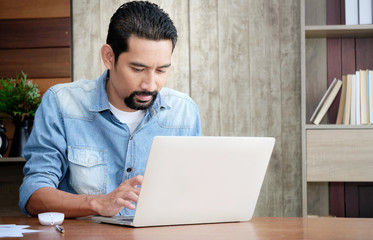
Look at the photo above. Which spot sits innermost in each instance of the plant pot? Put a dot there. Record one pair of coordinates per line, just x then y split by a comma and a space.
21, 134
3, 141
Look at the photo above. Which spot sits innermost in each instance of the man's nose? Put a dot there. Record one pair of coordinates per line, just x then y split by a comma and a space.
149, 82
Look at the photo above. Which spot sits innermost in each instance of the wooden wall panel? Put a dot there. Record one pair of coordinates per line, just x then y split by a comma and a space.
36, 63
348, 56
87, 40
265, 80
364, 53
234, 71
180, 71
316, 13
35, 33
290, 93
10, 180
204, 62
45, 83
334, 60
10, 9
334, 54
35, 37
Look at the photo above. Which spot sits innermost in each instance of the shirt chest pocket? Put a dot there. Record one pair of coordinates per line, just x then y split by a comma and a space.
88, 170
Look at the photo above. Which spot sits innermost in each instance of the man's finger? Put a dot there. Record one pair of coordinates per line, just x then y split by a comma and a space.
125, 203
135, 181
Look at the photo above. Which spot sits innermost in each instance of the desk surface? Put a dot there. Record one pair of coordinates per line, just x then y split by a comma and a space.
257, 228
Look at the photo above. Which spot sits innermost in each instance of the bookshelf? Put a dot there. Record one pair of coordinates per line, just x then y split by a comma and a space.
330, 153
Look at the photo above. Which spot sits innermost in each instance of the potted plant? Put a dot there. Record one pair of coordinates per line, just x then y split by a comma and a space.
19, 98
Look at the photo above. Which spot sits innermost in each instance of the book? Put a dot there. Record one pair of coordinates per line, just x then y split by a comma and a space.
342, 101
370, 95
353, 100
347, 111
326, 101
364, 105
365, 11
357, 100
326, 94
351, 12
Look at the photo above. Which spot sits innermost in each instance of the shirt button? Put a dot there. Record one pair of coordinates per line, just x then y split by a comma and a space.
129, 169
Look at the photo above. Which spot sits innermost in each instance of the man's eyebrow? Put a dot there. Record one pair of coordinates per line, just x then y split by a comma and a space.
145, 66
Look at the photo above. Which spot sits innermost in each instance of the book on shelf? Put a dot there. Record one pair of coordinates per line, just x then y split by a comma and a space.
358, 99
365, 11
352, 12
364, 103
353, 101
326, 101
347, 111
342, 101
370, 95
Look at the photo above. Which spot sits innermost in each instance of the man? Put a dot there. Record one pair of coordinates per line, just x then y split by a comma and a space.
90, 140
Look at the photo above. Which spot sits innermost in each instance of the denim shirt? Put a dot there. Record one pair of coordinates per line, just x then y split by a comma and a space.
78, 146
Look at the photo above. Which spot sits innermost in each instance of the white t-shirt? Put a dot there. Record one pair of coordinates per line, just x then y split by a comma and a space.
132, 119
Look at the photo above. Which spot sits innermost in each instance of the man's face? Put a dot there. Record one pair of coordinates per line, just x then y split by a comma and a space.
139, 74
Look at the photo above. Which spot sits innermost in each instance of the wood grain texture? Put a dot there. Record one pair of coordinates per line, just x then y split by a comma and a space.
316, 12
317, 199
258, 228
35, 33
234, 70
334, 54
45, 83
87, 39
204, 62
41, 62
334, 60
179, 77
290, 106
265, 100
348, 56
337, 193
364, 53
333, 10
339, 155
10, 9
316, 75
10, 181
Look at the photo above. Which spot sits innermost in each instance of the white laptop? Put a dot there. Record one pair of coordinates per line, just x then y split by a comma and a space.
195, 180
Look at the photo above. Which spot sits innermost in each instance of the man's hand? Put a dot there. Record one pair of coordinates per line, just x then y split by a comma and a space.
49, 199
122, 197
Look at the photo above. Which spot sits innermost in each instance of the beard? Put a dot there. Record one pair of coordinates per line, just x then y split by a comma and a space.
135, 104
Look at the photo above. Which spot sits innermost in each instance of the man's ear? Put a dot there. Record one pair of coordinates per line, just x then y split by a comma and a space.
108, 57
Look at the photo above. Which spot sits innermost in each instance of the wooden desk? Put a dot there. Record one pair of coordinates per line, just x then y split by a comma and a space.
257, 228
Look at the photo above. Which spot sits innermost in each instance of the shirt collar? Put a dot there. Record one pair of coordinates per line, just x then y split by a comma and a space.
101, 101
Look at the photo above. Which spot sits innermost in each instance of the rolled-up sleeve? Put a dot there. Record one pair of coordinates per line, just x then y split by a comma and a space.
45, 150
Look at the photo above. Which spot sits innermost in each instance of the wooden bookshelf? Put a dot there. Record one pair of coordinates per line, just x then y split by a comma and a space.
330, 153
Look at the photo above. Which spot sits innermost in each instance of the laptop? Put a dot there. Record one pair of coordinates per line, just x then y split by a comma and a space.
196, 180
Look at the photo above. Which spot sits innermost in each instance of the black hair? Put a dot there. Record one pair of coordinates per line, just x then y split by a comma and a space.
142, 19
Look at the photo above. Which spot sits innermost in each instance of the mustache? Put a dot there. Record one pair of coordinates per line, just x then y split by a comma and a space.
146, 93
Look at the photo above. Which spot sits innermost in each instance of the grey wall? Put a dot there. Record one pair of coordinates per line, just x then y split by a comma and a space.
240, 62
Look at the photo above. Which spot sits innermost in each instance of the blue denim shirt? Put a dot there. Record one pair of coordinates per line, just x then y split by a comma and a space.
78, 146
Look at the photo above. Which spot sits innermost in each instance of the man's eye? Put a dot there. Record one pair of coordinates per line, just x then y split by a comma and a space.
161, 71
137, 69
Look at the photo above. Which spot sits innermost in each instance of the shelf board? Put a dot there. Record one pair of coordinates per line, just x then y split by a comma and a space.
12, 159
336, 126
325, 31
